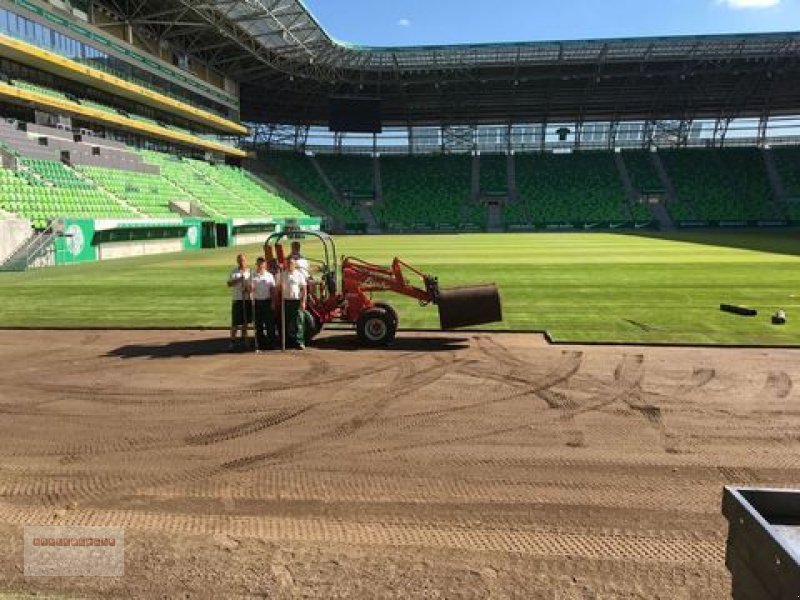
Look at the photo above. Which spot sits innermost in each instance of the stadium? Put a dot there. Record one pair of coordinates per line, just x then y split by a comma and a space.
607, 228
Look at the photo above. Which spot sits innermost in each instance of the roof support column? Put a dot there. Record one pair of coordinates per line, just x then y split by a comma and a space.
613, 127
543, 137
763, 127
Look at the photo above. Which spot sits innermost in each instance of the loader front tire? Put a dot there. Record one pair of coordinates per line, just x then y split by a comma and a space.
376, 327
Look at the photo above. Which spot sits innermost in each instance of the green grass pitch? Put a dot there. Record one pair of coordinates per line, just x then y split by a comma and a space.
592, 287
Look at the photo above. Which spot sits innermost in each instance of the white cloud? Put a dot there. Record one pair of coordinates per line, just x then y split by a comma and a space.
404, 22
749, 4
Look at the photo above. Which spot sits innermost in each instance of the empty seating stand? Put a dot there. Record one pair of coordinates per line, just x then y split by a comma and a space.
110, 180
148, 193
720, 185
569, 188
428, 192
787, 162
44, 190
299, 173
222, 191
644, 179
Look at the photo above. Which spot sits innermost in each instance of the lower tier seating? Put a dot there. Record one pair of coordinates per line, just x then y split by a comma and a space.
298, 172
724, 185
428, 191
39, 200
558, 188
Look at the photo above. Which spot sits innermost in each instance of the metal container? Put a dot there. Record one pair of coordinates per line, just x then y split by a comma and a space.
763, 551
468, 306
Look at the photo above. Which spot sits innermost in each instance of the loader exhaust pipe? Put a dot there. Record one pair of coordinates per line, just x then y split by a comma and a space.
469, 306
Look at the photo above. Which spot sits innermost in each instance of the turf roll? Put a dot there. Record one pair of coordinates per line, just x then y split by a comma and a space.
467, 306
738, 310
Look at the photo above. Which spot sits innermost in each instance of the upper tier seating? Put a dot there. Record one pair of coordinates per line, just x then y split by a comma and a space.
47, 91
559, 188
112, 181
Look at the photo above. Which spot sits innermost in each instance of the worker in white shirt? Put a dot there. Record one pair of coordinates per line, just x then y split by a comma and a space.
293, 297
240, 283
264, 323
302, 262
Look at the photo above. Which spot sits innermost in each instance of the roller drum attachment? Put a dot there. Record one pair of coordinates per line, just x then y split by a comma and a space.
469, 306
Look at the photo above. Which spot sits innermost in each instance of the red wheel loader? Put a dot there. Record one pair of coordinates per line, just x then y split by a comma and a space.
346, 296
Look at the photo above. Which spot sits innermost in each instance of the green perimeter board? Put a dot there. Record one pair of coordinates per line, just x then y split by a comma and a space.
593, 287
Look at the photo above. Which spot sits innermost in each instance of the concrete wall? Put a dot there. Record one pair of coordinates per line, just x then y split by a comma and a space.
138, 248
13, 232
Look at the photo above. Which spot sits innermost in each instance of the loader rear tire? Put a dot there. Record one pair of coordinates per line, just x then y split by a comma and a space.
376, 327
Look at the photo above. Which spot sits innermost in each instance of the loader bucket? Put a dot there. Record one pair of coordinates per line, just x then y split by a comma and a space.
467, 306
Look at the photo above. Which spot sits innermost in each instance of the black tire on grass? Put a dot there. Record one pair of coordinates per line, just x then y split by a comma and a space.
738, 310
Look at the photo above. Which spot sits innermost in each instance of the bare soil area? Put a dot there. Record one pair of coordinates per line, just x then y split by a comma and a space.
449, 466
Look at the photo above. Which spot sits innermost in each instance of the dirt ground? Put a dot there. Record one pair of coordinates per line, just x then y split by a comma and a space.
449, 466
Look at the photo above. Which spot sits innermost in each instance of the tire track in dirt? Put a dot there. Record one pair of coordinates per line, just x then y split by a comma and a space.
566, 367
517, 370
628, 545
95, 489
225, 434
408, 379
778, 384
699, 378
185, 395
627, 377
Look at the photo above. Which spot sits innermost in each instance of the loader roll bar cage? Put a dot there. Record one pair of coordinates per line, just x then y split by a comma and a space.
329, 263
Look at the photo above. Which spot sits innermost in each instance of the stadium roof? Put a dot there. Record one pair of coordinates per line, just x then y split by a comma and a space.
288, 67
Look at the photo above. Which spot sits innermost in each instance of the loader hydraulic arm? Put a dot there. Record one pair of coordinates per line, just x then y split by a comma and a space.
361, 278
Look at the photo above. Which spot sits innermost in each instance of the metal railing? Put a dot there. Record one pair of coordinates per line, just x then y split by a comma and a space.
37, 251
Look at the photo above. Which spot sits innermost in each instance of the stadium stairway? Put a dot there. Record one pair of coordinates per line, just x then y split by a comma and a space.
325, 179
33, 251
637, 210
677, 207
377, 177
351, 179
775, 181
369, 218
630, 193
491, 186
274, 181
297, 173
494, 218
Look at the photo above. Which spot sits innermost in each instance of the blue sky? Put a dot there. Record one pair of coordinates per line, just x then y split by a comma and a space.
412, 22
